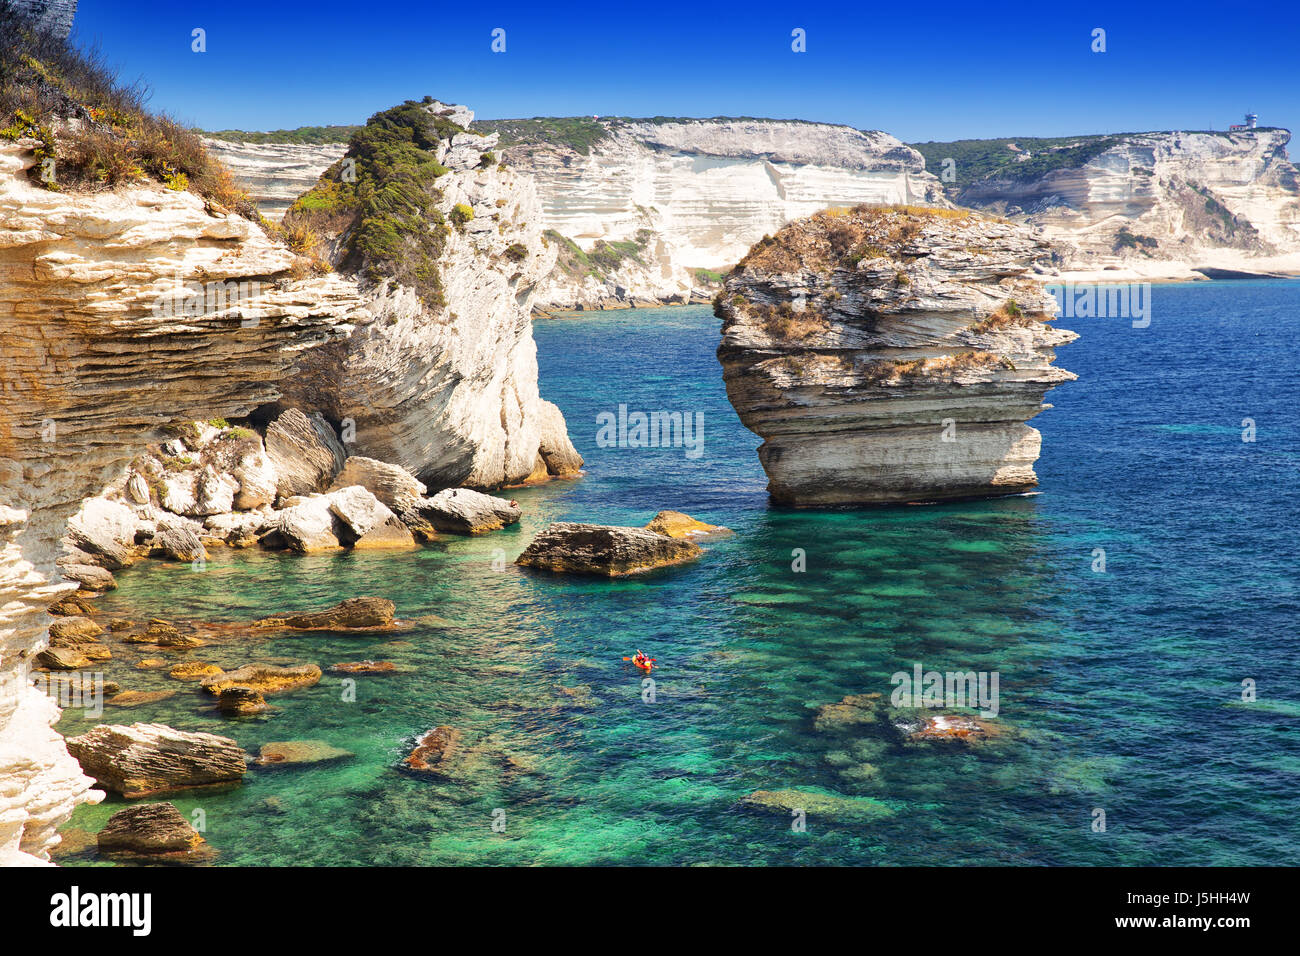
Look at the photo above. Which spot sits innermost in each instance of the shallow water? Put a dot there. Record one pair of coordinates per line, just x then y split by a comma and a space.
1121, 690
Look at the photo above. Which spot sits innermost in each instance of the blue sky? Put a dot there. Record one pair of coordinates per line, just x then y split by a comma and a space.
921, 71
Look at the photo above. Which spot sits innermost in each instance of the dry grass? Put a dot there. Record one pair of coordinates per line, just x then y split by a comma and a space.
841, 238
94, 127
1009, 315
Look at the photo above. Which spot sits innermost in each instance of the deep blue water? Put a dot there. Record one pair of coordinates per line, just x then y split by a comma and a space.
1120, 691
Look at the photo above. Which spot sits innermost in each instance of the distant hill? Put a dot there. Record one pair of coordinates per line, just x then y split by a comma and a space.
303, 135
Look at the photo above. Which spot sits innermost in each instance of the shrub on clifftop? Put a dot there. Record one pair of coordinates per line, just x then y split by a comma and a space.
380, 199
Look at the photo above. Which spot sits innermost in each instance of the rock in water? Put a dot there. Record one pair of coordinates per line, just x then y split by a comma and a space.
304, 451
179, 544
605, 550
241, 702
675, 524
891, 354
435, 753
358, 613
263, 678
462, 511
105, 529
149, 829
300, 752
142, 759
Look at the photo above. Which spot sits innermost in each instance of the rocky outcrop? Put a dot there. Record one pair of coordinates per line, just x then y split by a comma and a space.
604, 550
304, 451
143, 759
892, 355
358, 613
435, 753
463, 511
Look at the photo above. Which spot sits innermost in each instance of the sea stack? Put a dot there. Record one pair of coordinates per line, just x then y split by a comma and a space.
892, 354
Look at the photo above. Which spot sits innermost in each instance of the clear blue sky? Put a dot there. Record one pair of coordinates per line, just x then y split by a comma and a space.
921, 71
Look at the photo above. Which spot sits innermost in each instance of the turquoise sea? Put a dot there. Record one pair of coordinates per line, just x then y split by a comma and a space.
1121, 691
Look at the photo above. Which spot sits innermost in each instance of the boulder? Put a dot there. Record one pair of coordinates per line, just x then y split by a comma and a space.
89, 577
462, 511
149, 829
386, 482
358, 613
165, 634
407, 509
391, 534
143, 759
67, 631
74, 605
178, 544
263, 678
63, 658
258, 482
677, 525
238, 529
359, 511
299, 752
214, 493
241, 702
177, 492
304, 452
105, 529
307, 526
137, 488
604, 550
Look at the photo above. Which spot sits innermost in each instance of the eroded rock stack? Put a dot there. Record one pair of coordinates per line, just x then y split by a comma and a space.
891, 354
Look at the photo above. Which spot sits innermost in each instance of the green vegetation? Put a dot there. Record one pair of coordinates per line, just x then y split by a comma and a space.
579, 133
977, 159
381, 198
603, 258
709, 277
461, 214
303, 135
1124, 239
516, 252
45, 83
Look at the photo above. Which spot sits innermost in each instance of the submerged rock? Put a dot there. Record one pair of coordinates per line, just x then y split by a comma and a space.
892, 354
135, 698
194, 670
462, 511
149, 829
365, 667
300, 752
142, 759
604, 550
832, 807
358, 613
435, 753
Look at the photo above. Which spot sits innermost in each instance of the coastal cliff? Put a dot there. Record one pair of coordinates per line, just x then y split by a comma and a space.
443, 381
891, 354
661, 203
1178, 205
110, 334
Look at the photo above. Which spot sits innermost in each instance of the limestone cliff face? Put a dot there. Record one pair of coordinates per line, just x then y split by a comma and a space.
275, 174
888, 355
1155, 200
451, 393
122, 311
707, 190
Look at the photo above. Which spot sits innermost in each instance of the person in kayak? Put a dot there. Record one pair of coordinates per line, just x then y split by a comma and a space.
640, 660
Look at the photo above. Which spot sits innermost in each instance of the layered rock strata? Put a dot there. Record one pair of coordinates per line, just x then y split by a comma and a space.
891, 355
